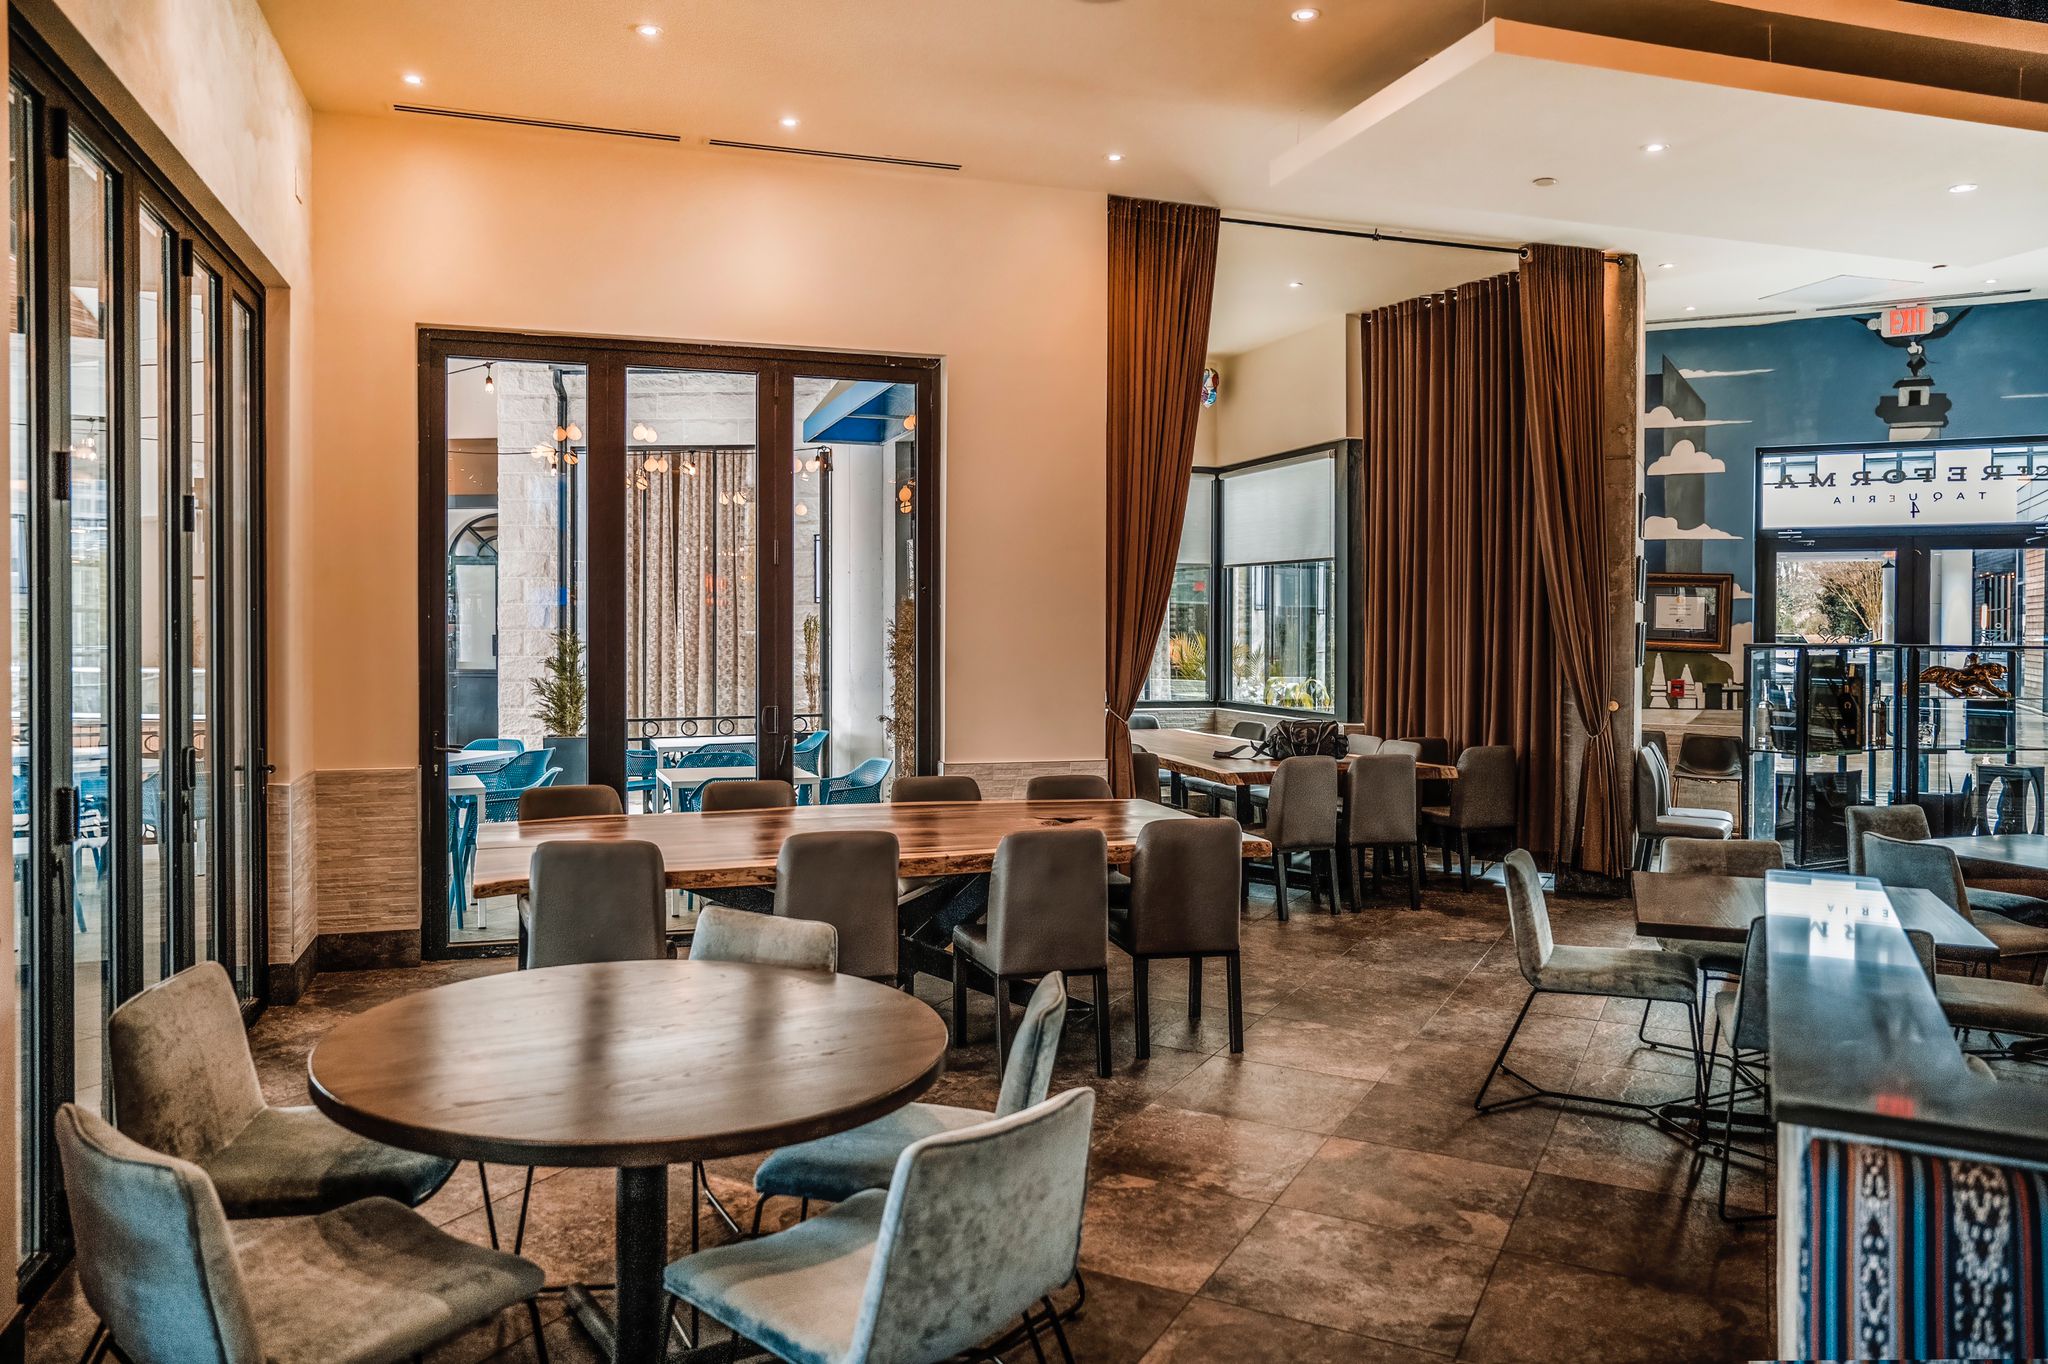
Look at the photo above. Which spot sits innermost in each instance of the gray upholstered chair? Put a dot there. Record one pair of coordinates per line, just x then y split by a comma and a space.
835, 1168
1933, 867
1048, 910
1482, 801
1067, 786
747, 795
1722, 856
568, 802
1659, 740
591, 902
1402, 748
1657, 819
1302, 816
1617, 972
1902, 821
1992, 1005
1742, 1022
935, 790
738, 935
1145, 775
1141, 720
846, 878
1363, 745
978, 1228
185, 1085
1183, 904
1380, 814
171, 1283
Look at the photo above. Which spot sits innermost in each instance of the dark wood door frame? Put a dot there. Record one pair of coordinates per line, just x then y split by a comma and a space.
606, 360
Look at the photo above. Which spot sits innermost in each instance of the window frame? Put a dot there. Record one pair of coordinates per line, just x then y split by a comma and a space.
1347, 461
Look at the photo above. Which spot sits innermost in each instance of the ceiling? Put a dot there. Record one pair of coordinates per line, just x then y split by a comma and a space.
1231, 102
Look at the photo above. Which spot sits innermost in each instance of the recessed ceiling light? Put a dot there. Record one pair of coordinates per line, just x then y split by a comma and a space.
1991, 281
1666, 265
1654, 147
1294, 284
1965, 188
648, 30
1544, 181
1305, 15
415, 78
790, 120
1689, 308
1116, 156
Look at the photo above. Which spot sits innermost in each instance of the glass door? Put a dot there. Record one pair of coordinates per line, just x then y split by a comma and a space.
854, 520
135, 681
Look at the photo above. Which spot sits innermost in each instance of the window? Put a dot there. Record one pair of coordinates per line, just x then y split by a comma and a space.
1279, 554
1180, 661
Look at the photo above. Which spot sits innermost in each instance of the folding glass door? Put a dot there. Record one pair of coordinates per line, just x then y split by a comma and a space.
134, 573
658, 568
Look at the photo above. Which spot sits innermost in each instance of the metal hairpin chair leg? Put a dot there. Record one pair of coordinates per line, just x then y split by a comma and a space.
1536, 1091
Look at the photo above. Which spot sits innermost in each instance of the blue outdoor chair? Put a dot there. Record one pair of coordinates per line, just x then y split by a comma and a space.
712, 755
640, 764
862, 786
495, 746
502, 787
805, 755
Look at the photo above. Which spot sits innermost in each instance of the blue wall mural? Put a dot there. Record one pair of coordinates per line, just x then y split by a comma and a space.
1714, 395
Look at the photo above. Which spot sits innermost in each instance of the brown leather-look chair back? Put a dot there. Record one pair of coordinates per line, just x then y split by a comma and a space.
1301, 812
1048, 903
1381, 809
748, 795
1184, 887
1145, 775
846, 878
1068, 786
1483, 796
568, 802
593, 902
947, 789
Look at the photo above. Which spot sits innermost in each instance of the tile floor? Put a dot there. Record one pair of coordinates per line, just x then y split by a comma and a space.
1328, 1196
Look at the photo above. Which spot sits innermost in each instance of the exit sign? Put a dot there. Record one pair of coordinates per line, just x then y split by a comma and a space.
1912, 319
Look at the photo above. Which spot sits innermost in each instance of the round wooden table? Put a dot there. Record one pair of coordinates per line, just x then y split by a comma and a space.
632, 1065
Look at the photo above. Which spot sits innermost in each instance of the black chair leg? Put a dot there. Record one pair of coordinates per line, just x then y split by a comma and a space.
1415, 878
1315, 895
1101, 1023
1002, 1024
1464, 860
1233, 987
1194, 989
1141, 1004
1280, 881
959, 1000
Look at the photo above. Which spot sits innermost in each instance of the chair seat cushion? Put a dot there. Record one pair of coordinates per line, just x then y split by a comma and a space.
1725, 957
972, 939
835, 1168
2012, 939
2002, 1005
1435, 811
369, 1283
1623, 972
797, 1294
291, 1162
2021, 909
1692, 824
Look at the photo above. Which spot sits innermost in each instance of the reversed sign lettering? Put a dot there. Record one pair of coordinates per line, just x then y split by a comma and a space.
1903, 486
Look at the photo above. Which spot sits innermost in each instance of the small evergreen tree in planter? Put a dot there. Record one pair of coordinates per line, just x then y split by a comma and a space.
561, 696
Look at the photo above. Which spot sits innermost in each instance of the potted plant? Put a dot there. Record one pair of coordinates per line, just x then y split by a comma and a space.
560, 694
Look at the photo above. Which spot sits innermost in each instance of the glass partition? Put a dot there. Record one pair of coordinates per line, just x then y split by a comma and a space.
1961, 731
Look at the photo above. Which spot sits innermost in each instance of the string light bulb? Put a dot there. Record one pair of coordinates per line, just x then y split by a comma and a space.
490, 384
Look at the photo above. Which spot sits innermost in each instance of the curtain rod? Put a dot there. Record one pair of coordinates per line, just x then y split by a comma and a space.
1375, 235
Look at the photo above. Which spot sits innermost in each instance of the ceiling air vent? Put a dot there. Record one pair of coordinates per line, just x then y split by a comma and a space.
912, 162
518, 122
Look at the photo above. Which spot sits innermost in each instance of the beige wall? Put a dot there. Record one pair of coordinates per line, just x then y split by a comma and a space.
418, 222
1284, 395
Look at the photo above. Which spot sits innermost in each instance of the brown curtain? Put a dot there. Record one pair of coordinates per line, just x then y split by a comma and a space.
1564, 351
1162, 272
1456, 639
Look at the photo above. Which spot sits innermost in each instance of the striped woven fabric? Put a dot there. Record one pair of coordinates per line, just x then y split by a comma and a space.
1911, 1256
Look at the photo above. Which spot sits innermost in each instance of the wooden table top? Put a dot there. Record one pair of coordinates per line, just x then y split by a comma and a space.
627, 1063
2018, 852
1720, 908
1192, 753
739, 847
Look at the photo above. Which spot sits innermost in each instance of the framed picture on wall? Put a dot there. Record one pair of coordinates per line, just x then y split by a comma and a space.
1689, 611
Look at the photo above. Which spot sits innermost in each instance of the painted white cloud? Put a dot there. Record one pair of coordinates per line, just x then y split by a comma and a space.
1718, 373
1662, 418
1667, 528
1687, 458
1743, 594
